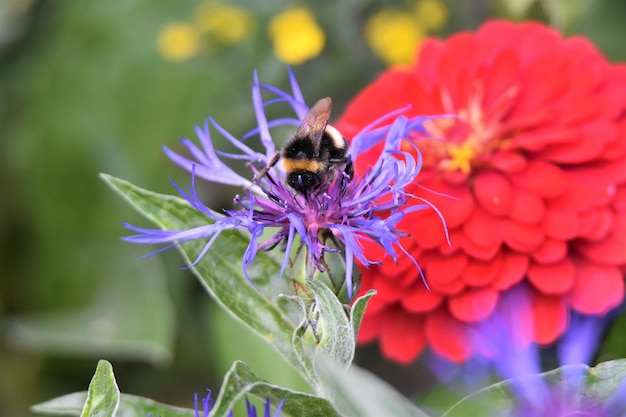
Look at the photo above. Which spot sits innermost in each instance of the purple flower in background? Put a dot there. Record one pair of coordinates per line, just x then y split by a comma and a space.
347, 211
507, 350
207, 406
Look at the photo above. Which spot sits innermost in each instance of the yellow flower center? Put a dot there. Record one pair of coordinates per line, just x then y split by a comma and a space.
464, 142
460, 157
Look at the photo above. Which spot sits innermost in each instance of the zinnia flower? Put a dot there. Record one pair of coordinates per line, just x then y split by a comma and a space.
536, 161
339, 217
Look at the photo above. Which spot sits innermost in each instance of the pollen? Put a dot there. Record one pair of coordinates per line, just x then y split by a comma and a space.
460, 157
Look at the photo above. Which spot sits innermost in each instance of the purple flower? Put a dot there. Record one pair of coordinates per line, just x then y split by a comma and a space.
207, 406
348, 211
506, 347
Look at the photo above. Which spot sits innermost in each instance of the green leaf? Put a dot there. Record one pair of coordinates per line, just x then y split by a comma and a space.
240, 380
67, 405
103, 396
358, 310
220, 270
103, 399
130, 406
358, 393
584, 386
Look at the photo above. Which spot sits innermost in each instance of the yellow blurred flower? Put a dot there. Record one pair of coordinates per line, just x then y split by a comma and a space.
177, 41
393, 35
431, 14
223, 22
296, 36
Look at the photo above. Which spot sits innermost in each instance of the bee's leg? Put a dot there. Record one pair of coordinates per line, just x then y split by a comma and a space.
266, 169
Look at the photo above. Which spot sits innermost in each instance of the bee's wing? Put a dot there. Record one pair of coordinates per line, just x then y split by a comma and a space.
315, 121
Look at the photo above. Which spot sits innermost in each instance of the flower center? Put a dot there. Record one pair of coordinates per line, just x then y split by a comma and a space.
465, 143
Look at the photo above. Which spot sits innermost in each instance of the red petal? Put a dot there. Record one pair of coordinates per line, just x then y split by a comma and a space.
587, 147
556, 278
617, 148
596, 224
447, 337
620, 197
403, 271
479, 273
598, 288
425, 227
473, 304
542, 83
550, 251
588, 188
494, 193
612, 249
402, 336
527, 207
502, 78
473, 249
537, 139
367, 106
373, 251
455, 68
383, 299
509, 162
479, 230
444, 269
550, 317
559, 224
519, 236
420, 300
371, 325
447, 288
514, 268
541, 178
455, 202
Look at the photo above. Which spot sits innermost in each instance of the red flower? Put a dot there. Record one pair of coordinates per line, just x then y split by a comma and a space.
536, 165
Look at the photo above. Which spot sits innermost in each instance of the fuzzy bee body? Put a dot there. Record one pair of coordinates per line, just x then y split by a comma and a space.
314, 154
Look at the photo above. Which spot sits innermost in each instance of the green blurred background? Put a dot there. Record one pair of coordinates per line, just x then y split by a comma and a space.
83, 90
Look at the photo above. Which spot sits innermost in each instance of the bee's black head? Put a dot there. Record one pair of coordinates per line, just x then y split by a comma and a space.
304, 181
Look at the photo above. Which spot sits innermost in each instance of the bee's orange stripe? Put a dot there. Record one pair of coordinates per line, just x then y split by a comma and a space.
291, 165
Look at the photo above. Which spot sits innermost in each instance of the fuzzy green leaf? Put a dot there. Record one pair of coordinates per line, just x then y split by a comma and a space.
103, 396
358, 310
240, 380
220, 270
584, 388
358, 393
130, 406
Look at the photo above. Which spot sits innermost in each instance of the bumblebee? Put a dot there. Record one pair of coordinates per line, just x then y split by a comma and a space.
315, 153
